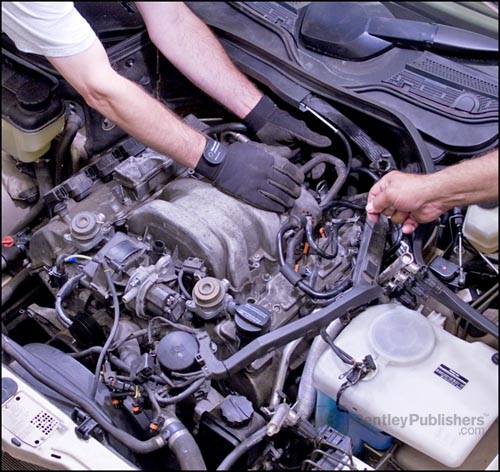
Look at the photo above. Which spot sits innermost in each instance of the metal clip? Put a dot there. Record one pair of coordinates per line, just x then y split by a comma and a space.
403, 261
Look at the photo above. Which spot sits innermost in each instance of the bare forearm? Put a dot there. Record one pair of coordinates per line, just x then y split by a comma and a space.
129, 106
145, 118
470, 181
190, 45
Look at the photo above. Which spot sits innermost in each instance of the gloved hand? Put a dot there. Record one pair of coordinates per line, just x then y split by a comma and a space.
275, 126
247, 172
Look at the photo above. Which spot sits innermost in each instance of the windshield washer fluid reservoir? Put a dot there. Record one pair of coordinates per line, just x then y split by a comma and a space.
481, 227
431, 390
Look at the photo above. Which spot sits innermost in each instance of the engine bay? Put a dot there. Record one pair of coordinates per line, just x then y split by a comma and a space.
180, 328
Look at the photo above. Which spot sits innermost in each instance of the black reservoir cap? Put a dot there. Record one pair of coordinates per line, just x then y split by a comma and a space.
251, 320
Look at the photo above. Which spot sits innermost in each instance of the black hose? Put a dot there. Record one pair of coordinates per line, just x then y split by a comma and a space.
114, 329
364, 170
292, 245
18, 354
60, 262
13, 284
34, 212
288, 270
340, 168
183, 395
154, 402
348, 150
97, 350
183, 445
223, 127
398, 232
295, 278
242, 448
73, 124
45, 184
170, 323
64, 293
339, 288
315, 247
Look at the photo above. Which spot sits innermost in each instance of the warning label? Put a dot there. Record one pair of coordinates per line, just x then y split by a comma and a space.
452, 377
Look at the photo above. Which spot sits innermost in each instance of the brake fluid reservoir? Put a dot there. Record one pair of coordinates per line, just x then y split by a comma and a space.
481, 227
32, 114
431, 390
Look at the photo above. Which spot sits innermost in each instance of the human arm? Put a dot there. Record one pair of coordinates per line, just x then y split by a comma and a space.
410, 199
129, 106
244, 171
191, 47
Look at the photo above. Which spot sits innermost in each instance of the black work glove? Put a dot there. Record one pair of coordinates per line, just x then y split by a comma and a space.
247, 172
275, 126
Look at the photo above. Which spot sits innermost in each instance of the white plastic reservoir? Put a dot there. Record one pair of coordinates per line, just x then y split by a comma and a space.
431, 390
481, 227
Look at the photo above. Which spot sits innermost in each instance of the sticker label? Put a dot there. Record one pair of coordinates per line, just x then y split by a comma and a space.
452, 377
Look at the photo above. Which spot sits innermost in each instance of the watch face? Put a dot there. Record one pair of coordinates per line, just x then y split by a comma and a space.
214, 152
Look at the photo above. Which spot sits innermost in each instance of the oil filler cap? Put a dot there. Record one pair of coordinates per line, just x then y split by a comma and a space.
251, 320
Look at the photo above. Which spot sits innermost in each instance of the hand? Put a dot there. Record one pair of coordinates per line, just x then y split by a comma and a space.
277, 127
264, 180
408, 199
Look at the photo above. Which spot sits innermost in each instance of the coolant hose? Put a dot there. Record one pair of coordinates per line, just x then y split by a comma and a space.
33, 213
340, 168
128, 351
45, 184
13, 284
280, 377
306, 397
20, 355
183, 445
242, 448
73, 124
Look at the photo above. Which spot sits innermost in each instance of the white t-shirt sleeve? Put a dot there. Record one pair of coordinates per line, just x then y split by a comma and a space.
52, 29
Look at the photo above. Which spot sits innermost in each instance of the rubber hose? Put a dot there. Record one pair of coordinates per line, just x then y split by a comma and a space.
73, 124
97, 350
306, 397
129, 350
45, 184
34, 212
182, 396
215, 129
112, 333
242, 448
340, 168
18, 354
65, 291
183, 445
13, 284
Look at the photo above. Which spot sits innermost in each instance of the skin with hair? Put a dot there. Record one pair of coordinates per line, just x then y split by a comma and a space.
189, 44
411, 199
